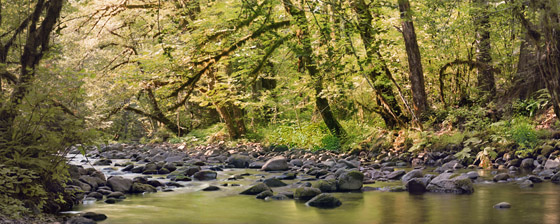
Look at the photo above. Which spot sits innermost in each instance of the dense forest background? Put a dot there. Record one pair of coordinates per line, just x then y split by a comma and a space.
478, 77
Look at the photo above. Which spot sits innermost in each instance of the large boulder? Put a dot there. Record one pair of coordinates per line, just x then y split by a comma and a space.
239, 161
277, 163
556, 178
350, 181
552, 163
306, 193
118, 183
205, 175
324, 201
256, 189
451, 183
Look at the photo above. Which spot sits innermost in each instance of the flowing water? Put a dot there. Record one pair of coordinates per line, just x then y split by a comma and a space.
540, 204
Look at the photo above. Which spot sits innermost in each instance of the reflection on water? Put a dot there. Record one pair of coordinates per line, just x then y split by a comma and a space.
540, 204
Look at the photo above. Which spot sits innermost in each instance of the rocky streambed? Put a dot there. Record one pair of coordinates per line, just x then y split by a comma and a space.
120, 180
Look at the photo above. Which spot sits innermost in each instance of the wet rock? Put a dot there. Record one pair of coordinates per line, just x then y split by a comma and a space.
502, 205
412, 174
535, 179
80, 220
95, 195
395, 175
141, 188
501, 177
350, 164
205, 175
155, 183
117, 195
118, 183
239, 161
273, 182
278, 197
170, 166
181, 178
417, 185
324, 201
256, 165
296, 162
256, 189
191, 170
111, 200
128, 168
350, 181
451, 183
546, 174
527, 163
94, 216
287, 176
137, 169
103, 162
142, 180
264, 194
472, 175
556, 178
526, 184
173, 184
211, 188
277, 163
325, 185
306, 193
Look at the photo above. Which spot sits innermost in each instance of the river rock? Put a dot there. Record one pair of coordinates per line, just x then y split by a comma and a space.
501, 177
117, 195
264, 194
451, 183
535, 179
239, 161
526, 184
80, 220
95, 195
325, 185
556, 178
502, 205
191, 170
256, 165
141, 188
350, 164
205, 175
296, 162
256, 189
118, 183
324, 201
128, 168
473, 175
527, 163
552, 163
412, 174
277, 163
95, 216
211, 188
417, 185
103, 162
350, 181
273, 182
397, 174
306, 193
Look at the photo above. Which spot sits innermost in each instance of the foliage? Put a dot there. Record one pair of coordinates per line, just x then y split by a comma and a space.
485, 157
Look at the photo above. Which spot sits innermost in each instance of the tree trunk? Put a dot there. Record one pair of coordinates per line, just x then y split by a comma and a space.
391, 112
416, 74
36, 44
527, 79
310, 65
485, 79
233, 119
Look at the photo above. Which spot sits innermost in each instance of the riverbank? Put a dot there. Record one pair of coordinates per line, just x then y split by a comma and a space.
128, 169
